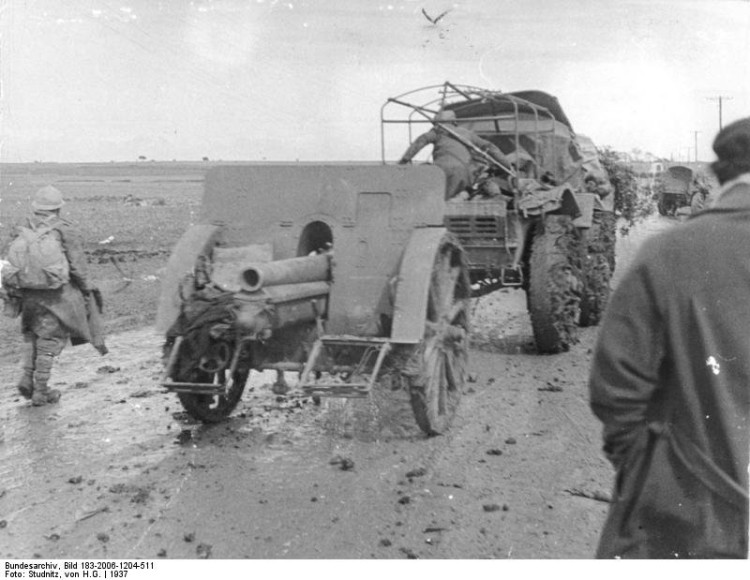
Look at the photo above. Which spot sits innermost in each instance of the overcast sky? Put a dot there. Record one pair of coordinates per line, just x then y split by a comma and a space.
101, 80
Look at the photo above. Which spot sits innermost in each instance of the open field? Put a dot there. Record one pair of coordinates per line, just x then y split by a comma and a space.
130, 216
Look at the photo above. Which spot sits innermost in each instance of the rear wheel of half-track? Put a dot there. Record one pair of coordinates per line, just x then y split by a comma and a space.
596, 290
554, 285
598, 267
207, 408
436, 367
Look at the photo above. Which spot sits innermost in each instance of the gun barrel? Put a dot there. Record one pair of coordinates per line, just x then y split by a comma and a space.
281, 306
293, 271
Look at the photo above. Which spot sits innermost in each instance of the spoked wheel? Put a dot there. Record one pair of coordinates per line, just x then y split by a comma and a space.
207, 408
554, 286
437, 365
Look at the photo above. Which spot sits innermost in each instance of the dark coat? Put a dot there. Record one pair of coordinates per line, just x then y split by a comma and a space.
670, 381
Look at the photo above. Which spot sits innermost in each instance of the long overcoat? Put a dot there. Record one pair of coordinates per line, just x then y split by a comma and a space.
670, 381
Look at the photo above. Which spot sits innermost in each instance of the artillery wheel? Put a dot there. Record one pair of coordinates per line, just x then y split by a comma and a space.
436, 367
598, 268
554, 286
207, 408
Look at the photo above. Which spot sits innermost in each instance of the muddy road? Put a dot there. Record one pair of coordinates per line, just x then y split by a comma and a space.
117, 470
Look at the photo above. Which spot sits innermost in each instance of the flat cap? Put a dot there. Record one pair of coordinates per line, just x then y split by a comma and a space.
733, 142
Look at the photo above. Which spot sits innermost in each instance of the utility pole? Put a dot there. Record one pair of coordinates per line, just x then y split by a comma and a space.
721, 99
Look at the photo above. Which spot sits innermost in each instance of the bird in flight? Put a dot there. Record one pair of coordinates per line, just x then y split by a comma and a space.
437, 18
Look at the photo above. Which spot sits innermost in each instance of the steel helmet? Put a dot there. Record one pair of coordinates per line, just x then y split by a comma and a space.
446, 116
48, 198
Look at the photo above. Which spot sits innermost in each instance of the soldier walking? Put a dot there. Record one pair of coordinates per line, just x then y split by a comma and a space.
46, 274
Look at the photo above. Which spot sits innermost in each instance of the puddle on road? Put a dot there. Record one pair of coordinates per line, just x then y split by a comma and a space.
108, 432
78, 437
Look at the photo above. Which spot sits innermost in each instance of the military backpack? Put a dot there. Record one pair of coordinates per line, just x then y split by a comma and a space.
37, 259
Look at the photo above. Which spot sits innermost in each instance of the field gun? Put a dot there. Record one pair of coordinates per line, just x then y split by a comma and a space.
341, 273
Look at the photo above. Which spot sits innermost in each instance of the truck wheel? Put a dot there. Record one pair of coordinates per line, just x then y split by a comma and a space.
435, 370
207, 408
598, 267
554, 295
596, 291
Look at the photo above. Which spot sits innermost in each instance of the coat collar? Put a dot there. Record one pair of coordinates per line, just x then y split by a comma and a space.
734, 194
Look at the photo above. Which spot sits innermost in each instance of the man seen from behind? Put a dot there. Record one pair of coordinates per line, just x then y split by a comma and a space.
670, 380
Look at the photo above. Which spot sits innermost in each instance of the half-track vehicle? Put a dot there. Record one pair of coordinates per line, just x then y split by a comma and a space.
555, 239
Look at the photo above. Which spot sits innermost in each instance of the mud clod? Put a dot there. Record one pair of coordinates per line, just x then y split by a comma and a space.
419, 472
203, 551
161, 553
510, 441
102, 537
103, 370
75, 480
344, 463
189, 537
494, 452
385, 542
491, 507
551, 388
185, 436
409, 553
404, 500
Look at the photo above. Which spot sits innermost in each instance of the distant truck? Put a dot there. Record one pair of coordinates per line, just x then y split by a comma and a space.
681, 191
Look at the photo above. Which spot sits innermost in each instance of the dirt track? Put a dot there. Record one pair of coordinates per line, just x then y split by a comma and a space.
115, 470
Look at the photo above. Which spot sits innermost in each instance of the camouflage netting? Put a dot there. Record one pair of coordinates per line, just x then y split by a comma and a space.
602, 237
631, 204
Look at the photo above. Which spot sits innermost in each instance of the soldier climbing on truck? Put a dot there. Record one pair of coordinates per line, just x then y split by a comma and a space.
457, 151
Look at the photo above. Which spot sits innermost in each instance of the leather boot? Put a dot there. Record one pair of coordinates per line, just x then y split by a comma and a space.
42, 393
25, 385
